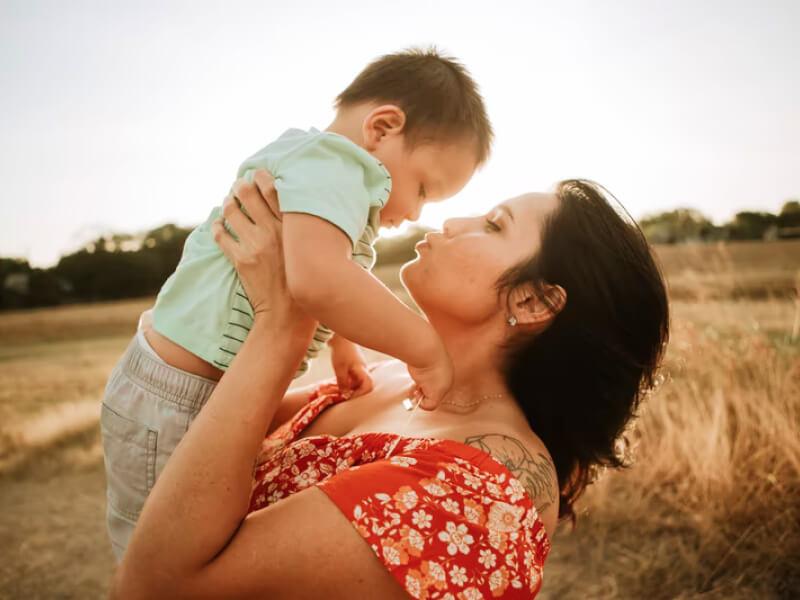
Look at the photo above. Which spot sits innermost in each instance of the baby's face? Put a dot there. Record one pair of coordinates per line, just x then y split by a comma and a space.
428, 173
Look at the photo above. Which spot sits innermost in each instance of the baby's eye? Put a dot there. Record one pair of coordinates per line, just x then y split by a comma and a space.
492, 226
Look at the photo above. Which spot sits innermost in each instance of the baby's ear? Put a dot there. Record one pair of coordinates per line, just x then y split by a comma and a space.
380, 122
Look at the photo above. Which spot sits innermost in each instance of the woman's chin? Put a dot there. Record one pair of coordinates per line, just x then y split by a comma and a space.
409, 276
404, 269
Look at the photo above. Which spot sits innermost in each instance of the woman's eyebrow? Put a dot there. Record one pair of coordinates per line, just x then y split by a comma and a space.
508, 210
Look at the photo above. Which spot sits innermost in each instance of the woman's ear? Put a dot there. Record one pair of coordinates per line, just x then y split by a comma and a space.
531, 308
381, 122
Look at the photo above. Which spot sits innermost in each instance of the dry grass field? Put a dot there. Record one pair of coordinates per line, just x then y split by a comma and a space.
710, 508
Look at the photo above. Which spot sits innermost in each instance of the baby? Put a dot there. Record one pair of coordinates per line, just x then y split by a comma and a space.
410, 129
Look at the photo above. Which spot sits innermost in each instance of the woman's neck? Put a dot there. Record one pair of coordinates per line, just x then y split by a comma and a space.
477, 377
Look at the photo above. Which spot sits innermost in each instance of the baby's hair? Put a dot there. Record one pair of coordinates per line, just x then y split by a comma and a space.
438, 95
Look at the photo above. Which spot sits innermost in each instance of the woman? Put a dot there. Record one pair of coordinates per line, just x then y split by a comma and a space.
555, 316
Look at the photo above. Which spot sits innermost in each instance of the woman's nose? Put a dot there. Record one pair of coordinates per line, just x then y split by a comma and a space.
452, 227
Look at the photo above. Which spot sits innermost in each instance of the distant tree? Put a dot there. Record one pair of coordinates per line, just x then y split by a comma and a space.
24, 287
165, 244
790, 214
168, 235
751, 225
104, 269
47, 289
790, 207
14, 282
97, 274
680, 225
13, 265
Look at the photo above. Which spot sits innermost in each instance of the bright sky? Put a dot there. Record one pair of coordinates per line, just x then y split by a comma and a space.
120, 116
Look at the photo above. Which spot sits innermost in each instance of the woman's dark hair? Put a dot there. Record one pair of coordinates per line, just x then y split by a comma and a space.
580, 381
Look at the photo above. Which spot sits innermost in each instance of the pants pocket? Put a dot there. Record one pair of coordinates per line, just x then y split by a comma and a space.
130, 450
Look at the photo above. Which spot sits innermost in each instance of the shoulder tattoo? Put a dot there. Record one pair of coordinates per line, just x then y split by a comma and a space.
535, 472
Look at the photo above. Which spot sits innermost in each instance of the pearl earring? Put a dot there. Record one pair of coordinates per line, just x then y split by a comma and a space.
512, 320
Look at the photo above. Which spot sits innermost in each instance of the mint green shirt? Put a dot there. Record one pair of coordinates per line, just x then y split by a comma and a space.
202, 305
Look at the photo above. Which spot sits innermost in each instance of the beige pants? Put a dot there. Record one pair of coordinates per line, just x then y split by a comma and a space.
147, 408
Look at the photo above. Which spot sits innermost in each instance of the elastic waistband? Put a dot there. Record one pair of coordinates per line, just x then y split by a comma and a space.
187, 391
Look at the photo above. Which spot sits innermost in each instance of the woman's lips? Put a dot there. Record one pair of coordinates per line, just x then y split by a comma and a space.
433, 235
427, 241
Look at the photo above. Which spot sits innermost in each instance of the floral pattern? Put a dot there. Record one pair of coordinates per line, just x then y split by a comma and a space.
447, 520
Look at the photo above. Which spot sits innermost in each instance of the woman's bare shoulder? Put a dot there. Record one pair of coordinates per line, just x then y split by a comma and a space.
527, 458
515, 446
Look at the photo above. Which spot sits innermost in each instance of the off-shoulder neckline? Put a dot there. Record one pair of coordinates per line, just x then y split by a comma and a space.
453, 444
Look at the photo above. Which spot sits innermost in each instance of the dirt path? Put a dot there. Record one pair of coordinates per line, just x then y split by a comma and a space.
52, 525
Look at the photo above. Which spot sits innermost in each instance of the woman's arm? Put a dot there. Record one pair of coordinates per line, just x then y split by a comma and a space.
205, 486
202, 495
194, 538
292, 402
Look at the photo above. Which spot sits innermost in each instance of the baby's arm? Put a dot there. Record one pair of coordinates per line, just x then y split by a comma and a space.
328, 285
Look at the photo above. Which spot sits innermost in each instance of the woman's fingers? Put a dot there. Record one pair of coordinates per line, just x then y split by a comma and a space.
266, 186
225, 241
242, 226
263, 231
259, 198
242, 190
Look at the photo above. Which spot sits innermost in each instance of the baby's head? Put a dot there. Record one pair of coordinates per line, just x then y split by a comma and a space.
421, 115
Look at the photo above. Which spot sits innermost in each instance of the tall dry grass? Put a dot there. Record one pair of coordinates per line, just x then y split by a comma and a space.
741, 270
711, 508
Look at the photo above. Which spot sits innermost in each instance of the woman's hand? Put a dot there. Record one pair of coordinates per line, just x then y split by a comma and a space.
258, 253
213, 464
223, 556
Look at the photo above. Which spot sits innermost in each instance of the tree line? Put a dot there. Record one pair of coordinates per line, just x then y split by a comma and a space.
688, 225
120, 266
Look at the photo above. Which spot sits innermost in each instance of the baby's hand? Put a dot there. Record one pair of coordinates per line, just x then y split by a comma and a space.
352, 375
433, 381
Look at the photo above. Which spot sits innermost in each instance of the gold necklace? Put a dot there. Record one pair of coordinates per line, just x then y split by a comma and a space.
408, 404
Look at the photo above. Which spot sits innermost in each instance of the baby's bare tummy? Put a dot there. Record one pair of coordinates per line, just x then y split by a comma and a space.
178, 356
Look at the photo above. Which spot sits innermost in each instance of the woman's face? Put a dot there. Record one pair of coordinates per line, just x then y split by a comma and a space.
456, 270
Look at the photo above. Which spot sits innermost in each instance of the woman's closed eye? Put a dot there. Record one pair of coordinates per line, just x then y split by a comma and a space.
422, 193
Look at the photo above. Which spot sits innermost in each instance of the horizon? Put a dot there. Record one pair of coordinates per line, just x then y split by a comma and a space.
124, 118
407, 229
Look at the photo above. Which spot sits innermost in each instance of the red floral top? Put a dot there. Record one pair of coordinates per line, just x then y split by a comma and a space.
446, 519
